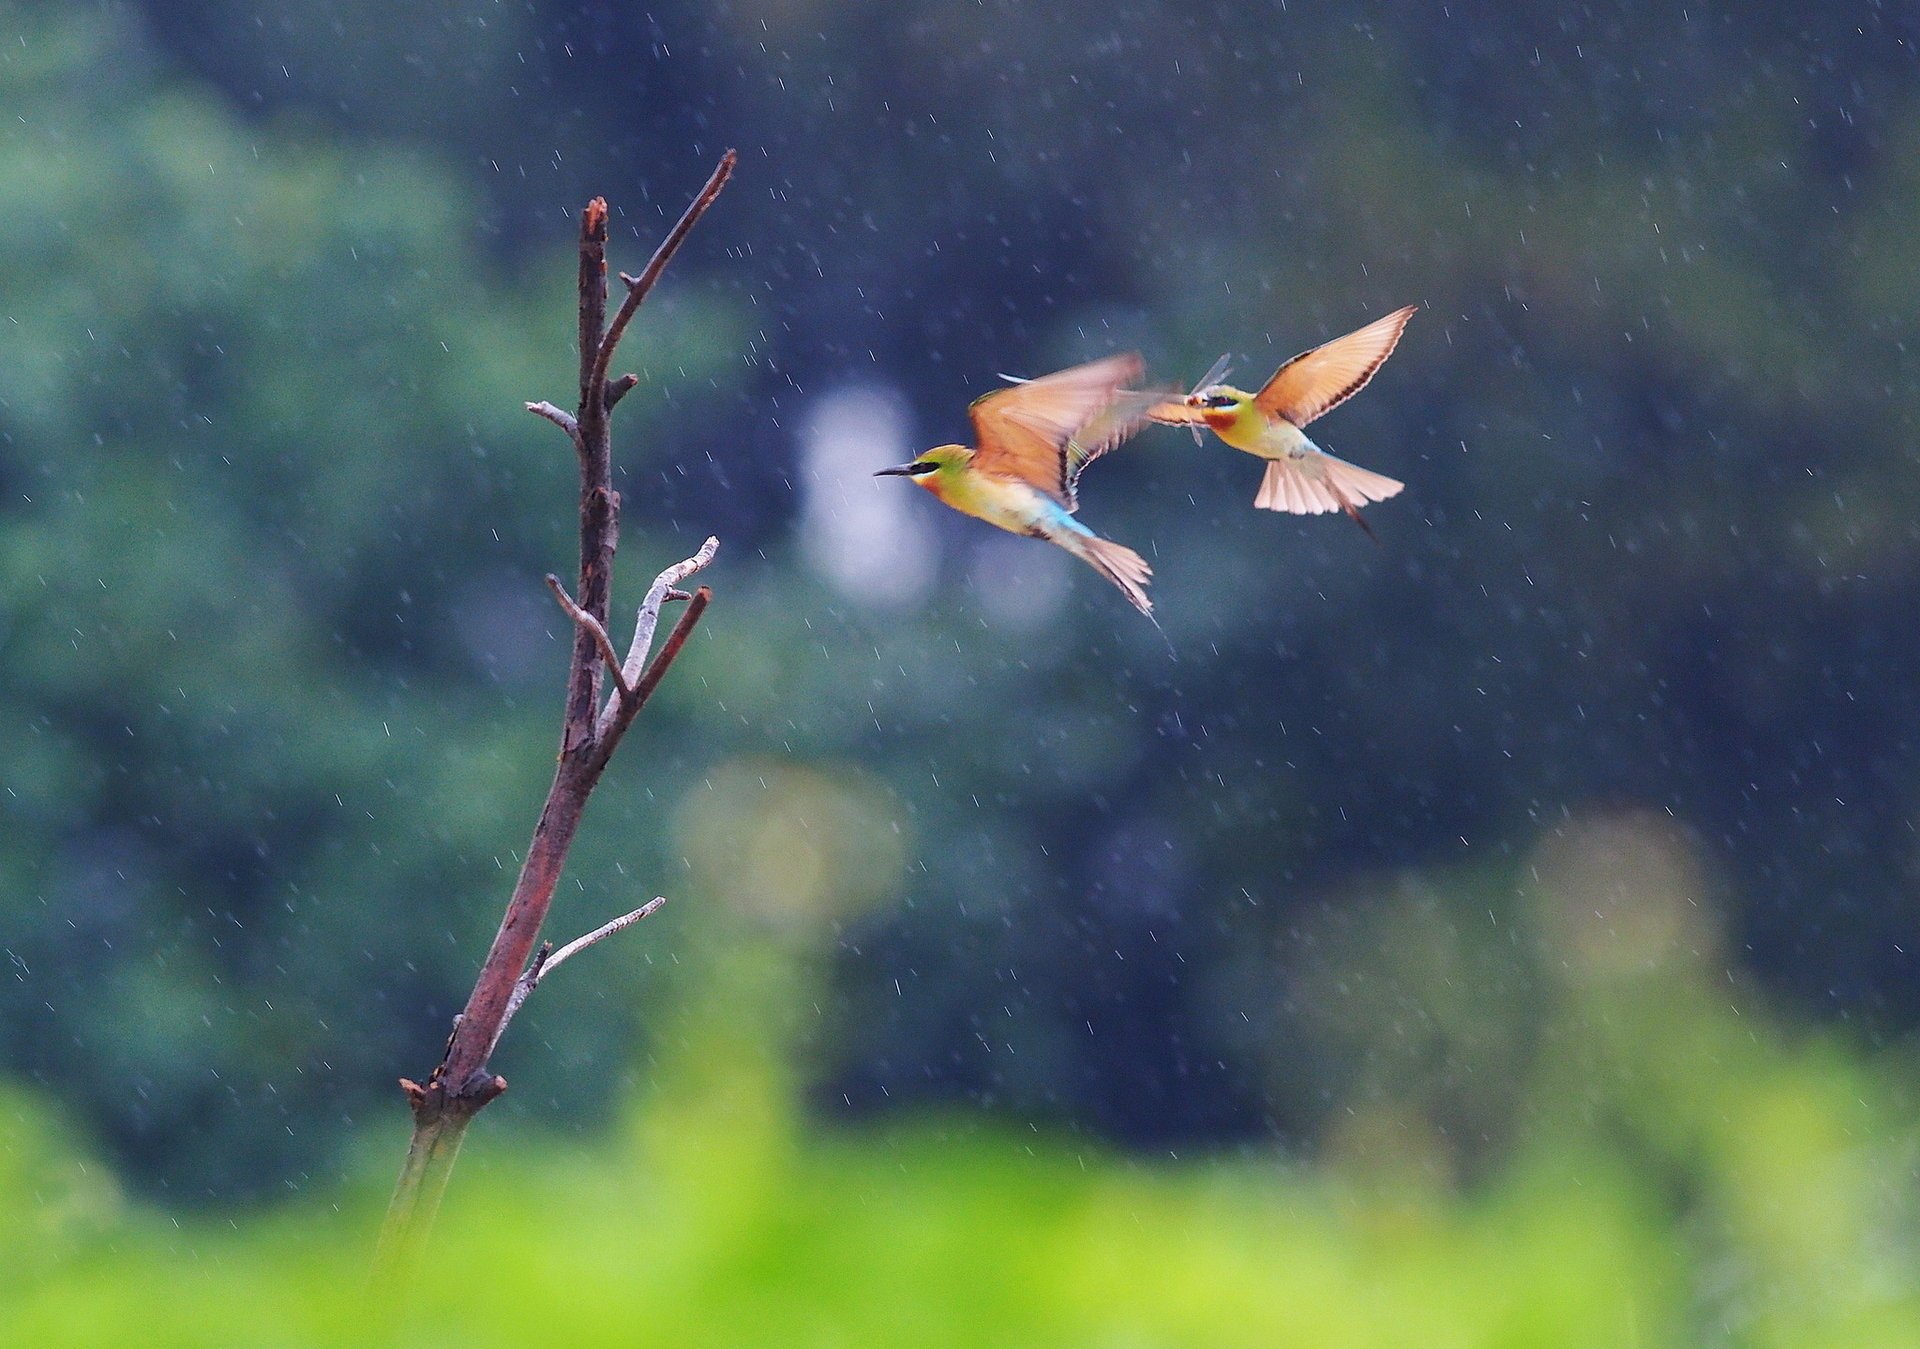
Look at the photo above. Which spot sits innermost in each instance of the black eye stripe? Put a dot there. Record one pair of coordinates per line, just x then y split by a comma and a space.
921, 470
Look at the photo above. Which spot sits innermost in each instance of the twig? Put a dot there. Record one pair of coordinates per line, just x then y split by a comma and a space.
463, 1083
637, 287
620, 388
662, 590
595, 937
644, 686
546, 960
619, 713
563, 420
592, 625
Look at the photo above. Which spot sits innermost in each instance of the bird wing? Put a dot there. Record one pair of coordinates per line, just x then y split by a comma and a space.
1108, 429
1319, 380
1027, 431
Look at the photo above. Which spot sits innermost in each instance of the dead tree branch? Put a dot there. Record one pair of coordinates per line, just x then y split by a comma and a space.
644, 686
639, 287
622, 708
546, 960
600, 639
662, 590
620, 388
564, 420
463, 1082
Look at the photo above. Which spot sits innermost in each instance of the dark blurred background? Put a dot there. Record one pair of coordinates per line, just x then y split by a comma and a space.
279, 681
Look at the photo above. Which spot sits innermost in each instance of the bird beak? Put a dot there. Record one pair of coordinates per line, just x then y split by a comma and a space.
898, 471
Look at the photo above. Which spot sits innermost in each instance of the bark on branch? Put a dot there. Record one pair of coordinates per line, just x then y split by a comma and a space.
463, 1082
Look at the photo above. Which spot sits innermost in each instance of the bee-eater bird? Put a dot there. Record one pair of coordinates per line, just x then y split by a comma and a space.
1301, 477
1034, 439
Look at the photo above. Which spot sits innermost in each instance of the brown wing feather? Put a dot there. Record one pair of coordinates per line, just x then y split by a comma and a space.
1317, 381
1108, 429
1023, 432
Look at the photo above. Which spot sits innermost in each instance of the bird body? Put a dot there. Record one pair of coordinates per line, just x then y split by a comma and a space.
1020, 508
1035, 438
1244, 427
1300, 476
1010, 503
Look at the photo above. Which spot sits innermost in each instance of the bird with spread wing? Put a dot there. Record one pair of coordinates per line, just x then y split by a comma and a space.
1300, 477
1034, 439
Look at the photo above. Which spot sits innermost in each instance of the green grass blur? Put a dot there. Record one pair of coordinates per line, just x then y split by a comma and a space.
1689, 1171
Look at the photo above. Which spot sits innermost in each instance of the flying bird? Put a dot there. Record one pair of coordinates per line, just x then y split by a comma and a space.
1034, 439
1301, 477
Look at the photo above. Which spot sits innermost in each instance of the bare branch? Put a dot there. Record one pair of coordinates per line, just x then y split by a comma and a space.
599, 503
463, 1082
600, 934
644, 686
599, 514
593, 295
463, 1075
637, 287
664, 588
621, 707
619, 713
547, 960
619, 388
599, 633
562, 419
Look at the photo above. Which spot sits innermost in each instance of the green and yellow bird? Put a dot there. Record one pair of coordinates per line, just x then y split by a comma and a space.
1301, 477
1034, 439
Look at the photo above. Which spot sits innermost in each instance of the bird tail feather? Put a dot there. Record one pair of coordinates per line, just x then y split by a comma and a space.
1120, 565
1288, 485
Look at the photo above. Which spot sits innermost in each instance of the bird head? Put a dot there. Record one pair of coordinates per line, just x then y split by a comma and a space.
1220, 404
929, 468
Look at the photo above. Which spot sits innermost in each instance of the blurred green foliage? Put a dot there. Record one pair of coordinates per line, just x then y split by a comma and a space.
1695, 1175
272, 508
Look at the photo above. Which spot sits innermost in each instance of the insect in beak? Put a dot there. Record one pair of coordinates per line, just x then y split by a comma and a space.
1220, 370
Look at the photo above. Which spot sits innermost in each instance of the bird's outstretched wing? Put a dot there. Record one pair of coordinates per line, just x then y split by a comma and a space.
1028, 431
1319, 380
1108, 429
